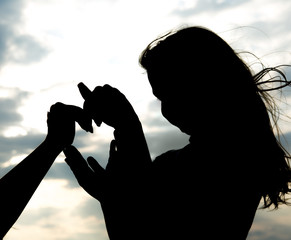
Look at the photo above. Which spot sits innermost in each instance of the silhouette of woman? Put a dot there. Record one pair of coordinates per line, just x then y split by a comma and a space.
19, 184
211, 188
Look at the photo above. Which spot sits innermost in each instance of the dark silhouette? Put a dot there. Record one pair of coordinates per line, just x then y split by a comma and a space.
19, 184
211, 188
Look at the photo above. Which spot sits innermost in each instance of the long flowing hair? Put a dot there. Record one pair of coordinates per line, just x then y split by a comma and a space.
251, 90
276, 192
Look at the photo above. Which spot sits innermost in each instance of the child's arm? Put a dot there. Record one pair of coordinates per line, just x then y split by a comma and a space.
18, 185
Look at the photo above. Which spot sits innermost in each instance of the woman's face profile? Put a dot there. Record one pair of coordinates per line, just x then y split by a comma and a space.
176, 102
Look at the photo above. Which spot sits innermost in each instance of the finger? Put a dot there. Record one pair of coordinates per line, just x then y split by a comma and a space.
95, 165
93, 104
75, 160
112, 160
112, 91
119, 141
108, 87
70, 112
84, 90
113, 147
80, 116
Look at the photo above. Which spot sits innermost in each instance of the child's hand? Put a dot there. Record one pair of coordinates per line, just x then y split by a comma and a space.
61, 124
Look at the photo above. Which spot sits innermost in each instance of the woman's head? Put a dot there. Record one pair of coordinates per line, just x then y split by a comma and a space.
194, 67
205, 88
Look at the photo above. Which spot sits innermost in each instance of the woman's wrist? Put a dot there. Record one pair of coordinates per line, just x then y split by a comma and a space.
131, 124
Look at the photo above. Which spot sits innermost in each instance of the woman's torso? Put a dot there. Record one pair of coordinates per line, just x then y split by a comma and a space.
197, 193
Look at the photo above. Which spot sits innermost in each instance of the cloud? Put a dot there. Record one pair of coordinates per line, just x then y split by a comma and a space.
10, 10
163, 141
90, 208
16, 46
9, 106
41, 213
160, 134
285, 140
186, 10
271, 225
17, 146
7, 113
11, 118
24, 49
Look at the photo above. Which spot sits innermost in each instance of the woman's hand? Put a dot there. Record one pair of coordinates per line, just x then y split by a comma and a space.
89, 174
107, 104
123, 194
61, 124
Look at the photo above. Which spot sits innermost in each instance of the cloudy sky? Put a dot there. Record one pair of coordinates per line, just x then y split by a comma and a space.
48, 47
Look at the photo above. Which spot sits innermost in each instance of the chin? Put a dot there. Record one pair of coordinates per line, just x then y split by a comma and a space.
185, 130
182, 126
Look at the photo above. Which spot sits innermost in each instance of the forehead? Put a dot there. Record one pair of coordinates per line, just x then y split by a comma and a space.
168, 84
169, 75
